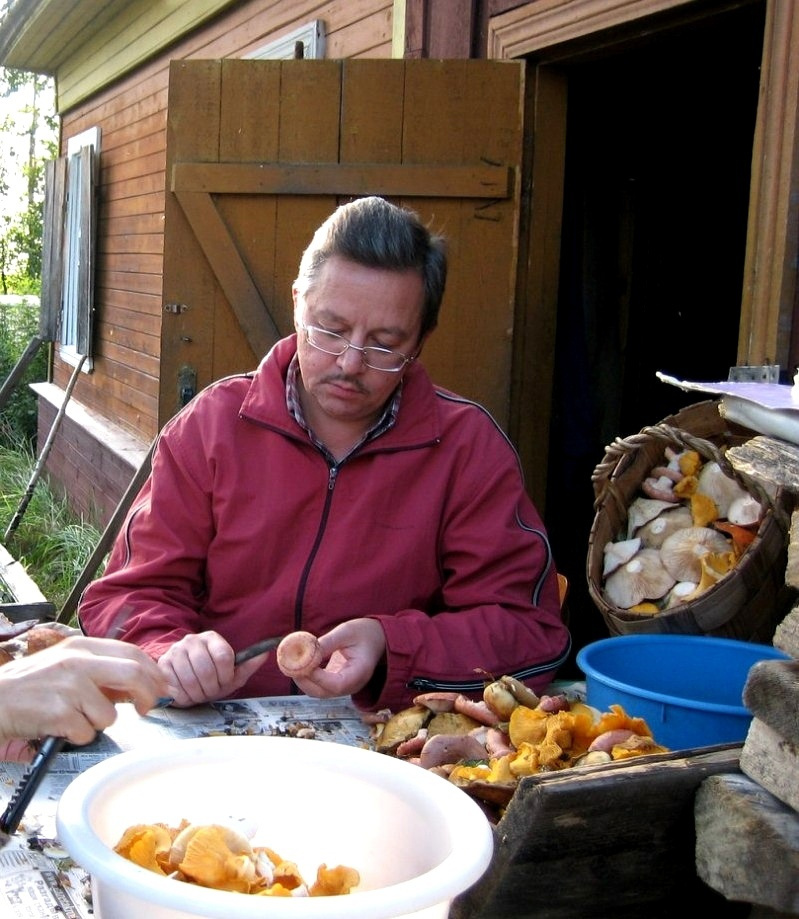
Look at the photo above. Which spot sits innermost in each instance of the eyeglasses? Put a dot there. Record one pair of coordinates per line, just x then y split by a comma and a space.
377, 358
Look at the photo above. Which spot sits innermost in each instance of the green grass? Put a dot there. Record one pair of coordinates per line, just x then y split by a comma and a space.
51, 542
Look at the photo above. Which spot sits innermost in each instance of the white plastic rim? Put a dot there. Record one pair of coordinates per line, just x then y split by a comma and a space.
141, 782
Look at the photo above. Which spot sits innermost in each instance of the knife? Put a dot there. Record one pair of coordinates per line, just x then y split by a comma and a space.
260, 647
51, 746
12, 815
266, 644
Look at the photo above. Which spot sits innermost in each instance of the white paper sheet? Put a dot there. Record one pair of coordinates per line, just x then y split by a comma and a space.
767, 408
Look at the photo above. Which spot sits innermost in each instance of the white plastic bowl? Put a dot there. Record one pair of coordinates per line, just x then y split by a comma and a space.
416, 840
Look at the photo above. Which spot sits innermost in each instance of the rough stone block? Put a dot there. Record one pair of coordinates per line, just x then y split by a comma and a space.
786, 635
773, 762
747, 843
771, 693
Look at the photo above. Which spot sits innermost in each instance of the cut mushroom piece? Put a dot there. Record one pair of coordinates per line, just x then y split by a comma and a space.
681, 553
703, 509
720, 487
646, 608
660, 486
742, 536
653, 534
680, 593
618, 554
642, 510
642, 578
744, 511
714, 567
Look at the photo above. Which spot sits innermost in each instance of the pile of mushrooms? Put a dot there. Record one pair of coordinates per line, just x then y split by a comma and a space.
686, 530
485, 746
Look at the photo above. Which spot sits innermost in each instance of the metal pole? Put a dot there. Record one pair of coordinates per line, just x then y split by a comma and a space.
37, 470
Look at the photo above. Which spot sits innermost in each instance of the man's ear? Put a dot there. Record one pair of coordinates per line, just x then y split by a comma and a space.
296, 300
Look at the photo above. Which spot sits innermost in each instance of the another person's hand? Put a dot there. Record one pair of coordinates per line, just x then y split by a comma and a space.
200, 668
351, 650
69, 689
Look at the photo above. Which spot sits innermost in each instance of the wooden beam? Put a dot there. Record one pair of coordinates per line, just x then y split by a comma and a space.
413, 181
772, 240
233, 275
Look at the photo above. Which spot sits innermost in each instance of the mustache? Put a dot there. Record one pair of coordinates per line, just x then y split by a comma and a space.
354, 382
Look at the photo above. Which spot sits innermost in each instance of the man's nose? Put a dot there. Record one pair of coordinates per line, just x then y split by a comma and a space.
351, 359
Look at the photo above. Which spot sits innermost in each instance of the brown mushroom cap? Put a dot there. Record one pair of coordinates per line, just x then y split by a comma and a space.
718, 486
681, 552
642, 578
619, 553
744, 511
642, 510
654, 533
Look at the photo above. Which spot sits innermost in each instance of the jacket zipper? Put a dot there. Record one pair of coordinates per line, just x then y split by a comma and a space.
426, 684
298, 601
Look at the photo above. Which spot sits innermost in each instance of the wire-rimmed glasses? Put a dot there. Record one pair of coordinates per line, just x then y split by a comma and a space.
377, 358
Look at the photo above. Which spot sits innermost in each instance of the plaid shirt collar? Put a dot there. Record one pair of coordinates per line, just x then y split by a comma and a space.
384, 422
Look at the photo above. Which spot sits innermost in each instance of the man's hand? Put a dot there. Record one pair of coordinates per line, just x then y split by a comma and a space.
352, 651
200, 668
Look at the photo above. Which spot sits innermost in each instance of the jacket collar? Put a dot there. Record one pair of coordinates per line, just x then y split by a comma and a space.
418, 421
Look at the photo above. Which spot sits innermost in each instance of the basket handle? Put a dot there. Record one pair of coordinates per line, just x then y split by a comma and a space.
603, 487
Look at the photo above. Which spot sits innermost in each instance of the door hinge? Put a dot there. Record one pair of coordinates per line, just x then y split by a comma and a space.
756, 373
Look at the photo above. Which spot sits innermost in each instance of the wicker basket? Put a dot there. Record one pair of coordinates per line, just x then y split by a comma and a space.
748, 602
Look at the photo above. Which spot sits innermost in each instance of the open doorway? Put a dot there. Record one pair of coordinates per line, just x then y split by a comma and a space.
656, 194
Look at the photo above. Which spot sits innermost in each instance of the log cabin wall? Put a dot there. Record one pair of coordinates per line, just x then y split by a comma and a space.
120, 396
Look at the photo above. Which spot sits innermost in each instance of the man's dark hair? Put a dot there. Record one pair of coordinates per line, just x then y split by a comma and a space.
373, 232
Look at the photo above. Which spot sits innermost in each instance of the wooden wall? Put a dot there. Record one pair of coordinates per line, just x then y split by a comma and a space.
132, 117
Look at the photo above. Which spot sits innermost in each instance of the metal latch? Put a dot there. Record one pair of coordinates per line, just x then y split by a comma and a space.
756, 373
175, 308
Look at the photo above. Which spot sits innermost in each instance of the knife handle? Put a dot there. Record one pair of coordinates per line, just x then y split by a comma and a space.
246, 654
12, 815
266, 644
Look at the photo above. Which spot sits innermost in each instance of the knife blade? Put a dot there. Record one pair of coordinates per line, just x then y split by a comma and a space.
266, 644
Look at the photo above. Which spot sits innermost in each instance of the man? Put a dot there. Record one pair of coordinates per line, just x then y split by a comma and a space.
336, 491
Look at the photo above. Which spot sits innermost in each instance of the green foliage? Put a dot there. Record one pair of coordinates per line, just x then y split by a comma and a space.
50, 541
19, 322
31, 134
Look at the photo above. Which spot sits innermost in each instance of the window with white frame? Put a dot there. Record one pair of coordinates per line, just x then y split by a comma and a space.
77, 297
68, 248
306, 42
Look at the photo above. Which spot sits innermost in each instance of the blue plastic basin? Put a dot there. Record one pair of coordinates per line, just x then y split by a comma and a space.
688, 688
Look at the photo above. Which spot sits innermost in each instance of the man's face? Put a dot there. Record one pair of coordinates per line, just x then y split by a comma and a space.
370, 308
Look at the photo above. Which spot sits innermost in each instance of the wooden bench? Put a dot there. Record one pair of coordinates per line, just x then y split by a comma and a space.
23, 599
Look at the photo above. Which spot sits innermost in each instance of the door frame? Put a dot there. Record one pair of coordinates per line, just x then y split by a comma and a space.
551, 33
556, 31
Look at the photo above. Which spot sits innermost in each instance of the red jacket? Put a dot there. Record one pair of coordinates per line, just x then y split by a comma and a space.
244, 528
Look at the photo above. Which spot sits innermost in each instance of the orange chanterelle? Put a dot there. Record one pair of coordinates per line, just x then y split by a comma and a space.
222, 858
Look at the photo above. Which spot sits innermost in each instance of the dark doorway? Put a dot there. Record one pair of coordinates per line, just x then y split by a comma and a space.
659, 148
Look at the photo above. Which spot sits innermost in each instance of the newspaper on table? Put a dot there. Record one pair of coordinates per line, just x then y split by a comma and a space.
38, 880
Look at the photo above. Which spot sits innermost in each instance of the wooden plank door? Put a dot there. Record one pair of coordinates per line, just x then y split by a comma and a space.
260, 152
